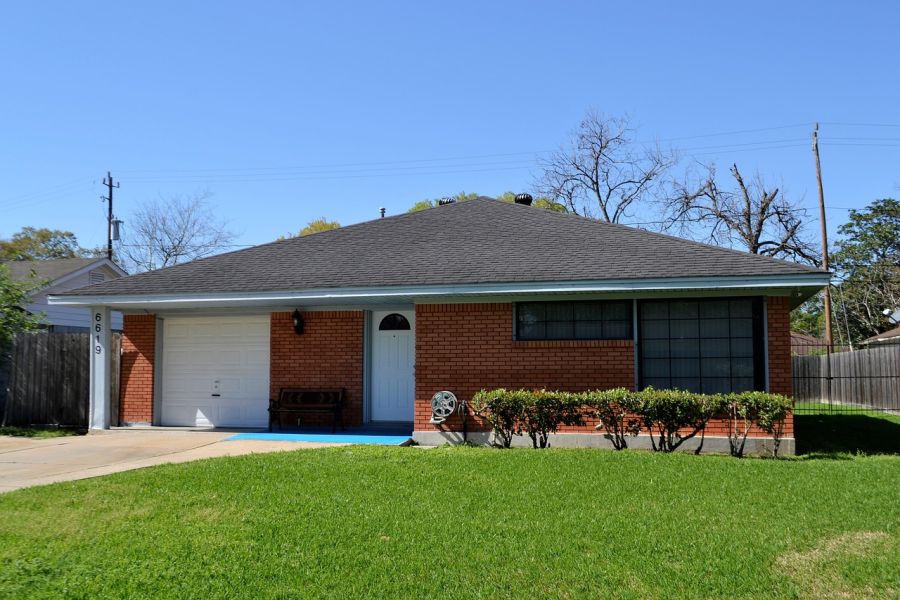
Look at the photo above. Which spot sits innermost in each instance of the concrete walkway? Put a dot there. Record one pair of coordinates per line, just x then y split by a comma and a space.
26, 462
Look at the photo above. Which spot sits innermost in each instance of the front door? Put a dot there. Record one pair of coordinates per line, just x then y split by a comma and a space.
393, 359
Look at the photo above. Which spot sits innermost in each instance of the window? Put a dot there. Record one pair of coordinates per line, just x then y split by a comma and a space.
709, 345
393, 322
583, 320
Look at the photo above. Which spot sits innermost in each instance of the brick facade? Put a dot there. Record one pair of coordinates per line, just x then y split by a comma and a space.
466, 347
138, 360
460, 347
779, 342
329, 354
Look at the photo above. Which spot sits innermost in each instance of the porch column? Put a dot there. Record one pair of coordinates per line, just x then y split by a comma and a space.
98, 415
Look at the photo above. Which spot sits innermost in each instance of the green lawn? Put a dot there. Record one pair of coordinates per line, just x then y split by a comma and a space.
37, 432
460, 523
820, 430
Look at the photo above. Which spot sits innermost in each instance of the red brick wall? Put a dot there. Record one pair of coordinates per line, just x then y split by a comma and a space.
779, 330
138, 359
466, 347
329, 354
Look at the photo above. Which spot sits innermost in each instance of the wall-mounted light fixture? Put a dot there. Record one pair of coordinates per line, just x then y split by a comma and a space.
297, 319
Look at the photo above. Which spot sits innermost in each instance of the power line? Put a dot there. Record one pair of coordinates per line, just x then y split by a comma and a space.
342, 165
844, 124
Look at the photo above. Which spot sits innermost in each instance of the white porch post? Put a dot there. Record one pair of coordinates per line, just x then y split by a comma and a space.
98, 415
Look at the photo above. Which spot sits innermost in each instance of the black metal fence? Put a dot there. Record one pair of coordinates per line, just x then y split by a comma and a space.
860, 380
48, 379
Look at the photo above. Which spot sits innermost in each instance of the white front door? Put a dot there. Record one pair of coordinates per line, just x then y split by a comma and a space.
393, 360
215, 371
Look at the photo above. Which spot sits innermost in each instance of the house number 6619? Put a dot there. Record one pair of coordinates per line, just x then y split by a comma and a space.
98, 328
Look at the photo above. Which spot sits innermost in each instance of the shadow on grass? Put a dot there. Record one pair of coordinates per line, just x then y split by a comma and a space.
830, 435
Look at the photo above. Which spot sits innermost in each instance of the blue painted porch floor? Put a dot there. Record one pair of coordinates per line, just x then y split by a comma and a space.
376, 435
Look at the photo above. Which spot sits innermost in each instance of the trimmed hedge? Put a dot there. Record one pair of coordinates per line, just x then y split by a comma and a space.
670, 417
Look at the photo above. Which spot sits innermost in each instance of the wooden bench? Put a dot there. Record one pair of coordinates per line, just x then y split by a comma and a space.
301, 401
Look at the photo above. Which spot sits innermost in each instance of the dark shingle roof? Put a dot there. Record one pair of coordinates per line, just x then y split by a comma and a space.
478, 241
51, 270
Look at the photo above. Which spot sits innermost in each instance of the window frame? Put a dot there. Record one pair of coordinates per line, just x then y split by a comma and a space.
628, 321
758, 317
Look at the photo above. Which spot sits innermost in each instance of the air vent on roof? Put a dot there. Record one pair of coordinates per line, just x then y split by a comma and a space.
96, 277
524, 199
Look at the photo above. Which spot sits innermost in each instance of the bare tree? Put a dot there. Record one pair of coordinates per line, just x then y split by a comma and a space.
171, 231
603, 173
754, 216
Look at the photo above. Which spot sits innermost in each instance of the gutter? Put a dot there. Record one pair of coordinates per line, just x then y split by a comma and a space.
808, 281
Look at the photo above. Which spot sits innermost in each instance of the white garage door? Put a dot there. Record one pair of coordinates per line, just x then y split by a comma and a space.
215, 371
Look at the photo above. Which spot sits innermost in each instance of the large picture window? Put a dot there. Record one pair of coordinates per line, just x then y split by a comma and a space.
581, 320
706, 345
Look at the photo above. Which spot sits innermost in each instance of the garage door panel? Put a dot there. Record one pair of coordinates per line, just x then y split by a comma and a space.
228, 356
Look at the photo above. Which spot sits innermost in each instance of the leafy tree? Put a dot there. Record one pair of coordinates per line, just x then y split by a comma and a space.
540, 202
172, 231
14, 295
427, 203
33, 243
867, 260
319, 225
809, 317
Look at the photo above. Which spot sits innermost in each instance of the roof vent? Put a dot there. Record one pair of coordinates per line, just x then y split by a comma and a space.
524, 199
445, 200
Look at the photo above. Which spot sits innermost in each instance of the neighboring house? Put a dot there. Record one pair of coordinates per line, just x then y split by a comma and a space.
803, 344
891, 336
478, 294
62, 275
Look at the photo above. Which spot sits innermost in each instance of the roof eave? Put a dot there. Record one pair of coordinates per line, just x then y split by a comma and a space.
799, 286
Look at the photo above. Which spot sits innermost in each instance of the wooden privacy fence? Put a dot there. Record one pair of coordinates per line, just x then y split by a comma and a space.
49, 379
864, 379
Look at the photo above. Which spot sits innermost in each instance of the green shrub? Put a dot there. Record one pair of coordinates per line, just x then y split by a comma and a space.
766, 411
617, 410
537, 413
666, 412
503, 410
544, 412
671, 417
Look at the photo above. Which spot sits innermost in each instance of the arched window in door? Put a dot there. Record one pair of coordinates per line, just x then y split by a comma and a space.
393, 322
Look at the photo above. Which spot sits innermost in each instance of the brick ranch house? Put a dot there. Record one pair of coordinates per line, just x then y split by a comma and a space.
472, 295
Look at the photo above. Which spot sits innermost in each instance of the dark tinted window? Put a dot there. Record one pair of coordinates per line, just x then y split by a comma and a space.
705, 345
582, 320
393, 322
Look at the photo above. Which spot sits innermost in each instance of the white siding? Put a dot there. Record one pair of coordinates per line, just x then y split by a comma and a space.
67, 315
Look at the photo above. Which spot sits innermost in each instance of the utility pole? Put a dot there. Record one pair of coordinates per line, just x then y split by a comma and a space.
815, 147
110, 185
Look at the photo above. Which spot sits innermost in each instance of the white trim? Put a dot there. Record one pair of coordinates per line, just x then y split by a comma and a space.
367, 366
100, 262
100, 346
765, 339
438, 291
159, 348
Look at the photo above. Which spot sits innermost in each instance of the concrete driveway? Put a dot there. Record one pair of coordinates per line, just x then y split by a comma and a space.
26, 462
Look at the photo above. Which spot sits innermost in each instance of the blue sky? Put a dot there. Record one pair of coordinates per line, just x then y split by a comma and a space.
290, 111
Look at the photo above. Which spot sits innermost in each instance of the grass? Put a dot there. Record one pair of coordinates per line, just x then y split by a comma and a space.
863, 432
37, 432
461, 523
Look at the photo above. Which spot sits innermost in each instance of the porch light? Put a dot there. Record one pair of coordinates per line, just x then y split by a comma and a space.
297, 319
